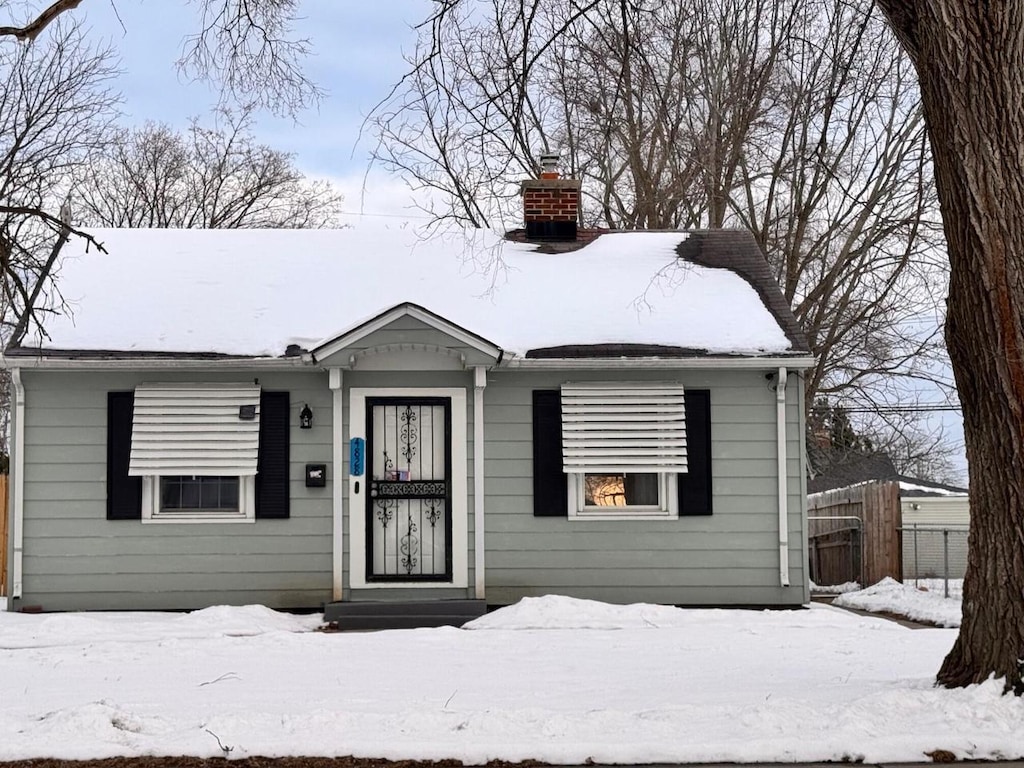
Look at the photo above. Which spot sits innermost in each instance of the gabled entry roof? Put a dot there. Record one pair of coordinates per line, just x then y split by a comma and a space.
365, 330
265, 293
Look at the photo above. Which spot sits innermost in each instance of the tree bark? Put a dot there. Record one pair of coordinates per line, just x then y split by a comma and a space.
970, 62
31, 30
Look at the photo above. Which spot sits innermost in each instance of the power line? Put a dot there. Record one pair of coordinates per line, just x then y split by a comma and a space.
902, 409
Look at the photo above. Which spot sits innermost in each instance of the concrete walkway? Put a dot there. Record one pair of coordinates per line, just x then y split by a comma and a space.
902, 620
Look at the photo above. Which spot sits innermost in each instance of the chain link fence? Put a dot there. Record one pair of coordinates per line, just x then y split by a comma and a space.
934, 552
930, 553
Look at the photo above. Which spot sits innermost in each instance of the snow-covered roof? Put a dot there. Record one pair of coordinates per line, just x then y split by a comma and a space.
255, 292
926, 488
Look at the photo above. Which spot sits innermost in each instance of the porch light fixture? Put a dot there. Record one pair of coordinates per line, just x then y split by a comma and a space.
306, 417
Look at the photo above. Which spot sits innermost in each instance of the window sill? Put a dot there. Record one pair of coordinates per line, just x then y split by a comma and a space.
645, 515
192, 519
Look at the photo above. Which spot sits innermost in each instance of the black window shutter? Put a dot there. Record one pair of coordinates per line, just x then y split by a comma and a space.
695, 483
550, 486
124, 493
272, 466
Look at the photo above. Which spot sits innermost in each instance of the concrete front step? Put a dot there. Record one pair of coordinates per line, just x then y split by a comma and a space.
402, 614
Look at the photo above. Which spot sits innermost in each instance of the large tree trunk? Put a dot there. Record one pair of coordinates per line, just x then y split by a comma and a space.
970, 61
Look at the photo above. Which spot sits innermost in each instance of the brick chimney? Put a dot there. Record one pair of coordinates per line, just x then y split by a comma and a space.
551, 205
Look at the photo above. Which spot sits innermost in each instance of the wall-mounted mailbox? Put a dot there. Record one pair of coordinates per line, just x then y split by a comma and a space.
316, 475
356, 456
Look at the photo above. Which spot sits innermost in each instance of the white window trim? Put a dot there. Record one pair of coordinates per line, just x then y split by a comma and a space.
667, 509
460, 492
151, 505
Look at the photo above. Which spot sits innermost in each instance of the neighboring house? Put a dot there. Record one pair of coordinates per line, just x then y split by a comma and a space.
936, 519
597, 416
906, 527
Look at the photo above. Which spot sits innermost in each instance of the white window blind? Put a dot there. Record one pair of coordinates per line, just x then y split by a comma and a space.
194, 429
638, 427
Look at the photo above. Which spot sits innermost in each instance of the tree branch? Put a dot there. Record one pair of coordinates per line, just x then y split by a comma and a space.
31, 30
53, 221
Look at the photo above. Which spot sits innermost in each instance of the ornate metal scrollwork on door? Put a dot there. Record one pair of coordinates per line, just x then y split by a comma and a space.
409, 433
409, 547
408, 455
385, 510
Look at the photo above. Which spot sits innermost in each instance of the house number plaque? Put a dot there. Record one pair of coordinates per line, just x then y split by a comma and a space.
356, 456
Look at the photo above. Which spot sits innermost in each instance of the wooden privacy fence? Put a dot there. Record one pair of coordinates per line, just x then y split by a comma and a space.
833, 544
3, 535
834, 549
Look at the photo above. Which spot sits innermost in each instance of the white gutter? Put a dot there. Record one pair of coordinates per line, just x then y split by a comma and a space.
155, 364
304, 362
780, 423
479, 384
337, 486
18, 484
701, 363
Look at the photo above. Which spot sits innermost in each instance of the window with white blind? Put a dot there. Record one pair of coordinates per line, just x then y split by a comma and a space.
622, 447
196, 448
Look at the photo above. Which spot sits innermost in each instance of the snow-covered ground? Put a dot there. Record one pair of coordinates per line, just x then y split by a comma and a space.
921, 600
550, 678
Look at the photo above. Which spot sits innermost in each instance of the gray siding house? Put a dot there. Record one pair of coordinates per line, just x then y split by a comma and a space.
616, 416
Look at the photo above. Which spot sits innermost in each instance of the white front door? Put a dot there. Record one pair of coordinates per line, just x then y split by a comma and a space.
408, 511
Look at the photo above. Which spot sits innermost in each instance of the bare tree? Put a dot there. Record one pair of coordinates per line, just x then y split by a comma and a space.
798, 120
837, 189
923, 454
247, 47
56, 109
837, 436
970, 63
212, 177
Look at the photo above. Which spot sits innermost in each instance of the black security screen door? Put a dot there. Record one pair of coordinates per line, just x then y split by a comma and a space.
408, 508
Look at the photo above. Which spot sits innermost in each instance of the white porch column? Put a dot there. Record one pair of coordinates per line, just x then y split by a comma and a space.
337, 482
479, 383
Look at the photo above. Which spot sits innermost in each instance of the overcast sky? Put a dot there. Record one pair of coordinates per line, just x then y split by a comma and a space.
358, 45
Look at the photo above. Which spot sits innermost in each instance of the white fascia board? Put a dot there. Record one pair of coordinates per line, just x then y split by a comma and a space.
155, 364
354, 335
598, 363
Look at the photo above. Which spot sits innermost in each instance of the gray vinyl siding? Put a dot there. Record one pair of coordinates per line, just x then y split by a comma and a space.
75, 558
927, 551
729, 557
